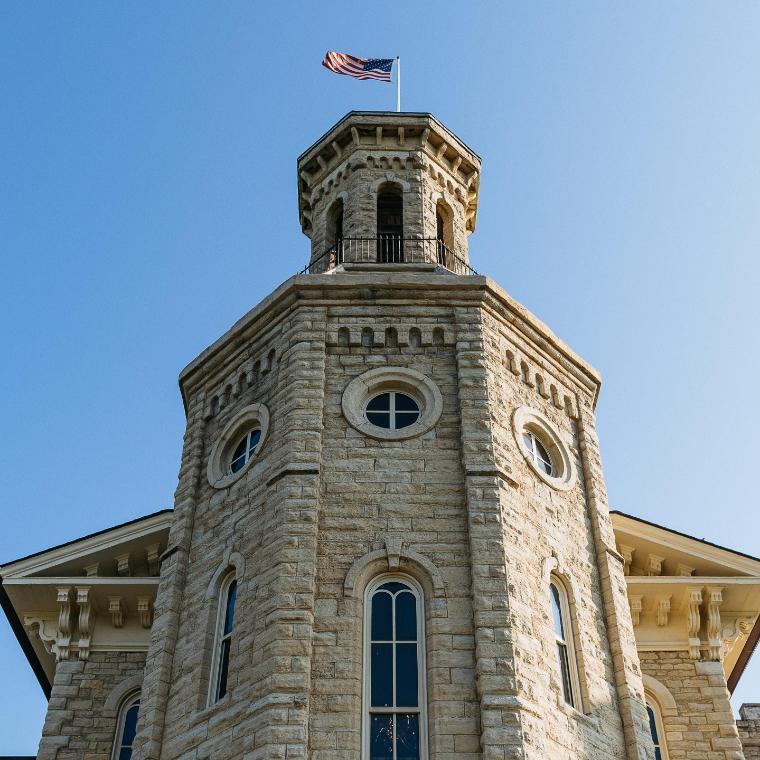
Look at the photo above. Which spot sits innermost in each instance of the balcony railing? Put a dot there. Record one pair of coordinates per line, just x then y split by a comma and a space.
388, 249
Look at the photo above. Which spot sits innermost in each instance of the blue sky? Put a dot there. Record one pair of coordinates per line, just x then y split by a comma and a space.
148, 200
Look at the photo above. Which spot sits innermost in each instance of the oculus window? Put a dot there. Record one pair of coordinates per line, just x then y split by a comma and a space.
392, 410
238, 446
544, 448
392, 403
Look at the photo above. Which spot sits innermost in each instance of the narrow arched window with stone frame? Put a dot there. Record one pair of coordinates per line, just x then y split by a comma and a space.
656, 727
126, 727
390, 223
564, 642
394, 725
218, 683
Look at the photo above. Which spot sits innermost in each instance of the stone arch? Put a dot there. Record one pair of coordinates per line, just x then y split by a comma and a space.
661, 695
232, 561
394, 558
121, 691
390, 178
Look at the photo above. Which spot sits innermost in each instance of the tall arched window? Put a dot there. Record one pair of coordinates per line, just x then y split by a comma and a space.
390, 224
223, 639
444, 234
563, 636
126, 727
335, 230
394, 671
656, 729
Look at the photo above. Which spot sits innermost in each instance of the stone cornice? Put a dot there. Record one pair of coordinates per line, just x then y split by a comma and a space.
463, 291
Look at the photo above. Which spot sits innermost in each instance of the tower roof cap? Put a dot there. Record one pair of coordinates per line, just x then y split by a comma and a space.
389, 132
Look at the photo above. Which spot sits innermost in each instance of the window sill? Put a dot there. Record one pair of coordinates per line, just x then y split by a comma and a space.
572, 712
201, 716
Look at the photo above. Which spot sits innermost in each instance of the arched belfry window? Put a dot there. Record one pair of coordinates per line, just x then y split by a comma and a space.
126, 727
223, 638
390, 224
394, 726
563, 635
444, 234
335, 230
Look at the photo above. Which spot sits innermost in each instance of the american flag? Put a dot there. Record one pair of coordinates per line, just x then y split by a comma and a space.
359, 68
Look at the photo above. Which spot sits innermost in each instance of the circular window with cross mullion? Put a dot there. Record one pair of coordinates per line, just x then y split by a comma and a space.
392, 410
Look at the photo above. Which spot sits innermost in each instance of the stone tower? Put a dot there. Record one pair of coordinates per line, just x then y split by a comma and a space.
391, 531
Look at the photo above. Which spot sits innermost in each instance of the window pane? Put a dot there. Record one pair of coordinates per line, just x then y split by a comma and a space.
130, 725
125, 753
404, 419
381, 403
564, 667
224, 664
528, 441
229, 615
406, 403
559, 629
407, 737
406, 675
382, 621
254, 442
240, 449
382, 675
393, 586
381, 737
406, 617
653, 725
237, 464
381, 419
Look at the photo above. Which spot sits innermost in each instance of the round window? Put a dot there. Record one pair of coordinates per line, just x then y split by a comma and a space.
392, 410
538, 452
392, 403
237, 448
544, 448
245, 450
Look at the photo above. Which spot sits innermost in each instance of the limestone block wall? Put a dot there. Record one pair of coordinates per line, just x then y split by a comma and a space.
703, 725
375, 493
749, 730
264, 527
325, 507
82, 714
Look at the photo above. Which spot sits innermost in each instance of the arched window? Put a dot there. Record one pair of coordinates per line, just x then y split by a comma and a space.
126, 727
444, 234
394, 671
390, 224
656, 729
223, 639
563, 636
335, 231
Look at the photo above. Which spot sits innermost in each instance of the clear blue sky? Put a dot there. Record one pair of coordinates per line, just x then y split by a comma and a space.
148, 200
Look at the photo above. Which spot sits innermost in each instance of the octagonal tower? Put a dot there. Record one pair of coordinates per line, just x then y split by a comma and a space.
390, 425
388, 188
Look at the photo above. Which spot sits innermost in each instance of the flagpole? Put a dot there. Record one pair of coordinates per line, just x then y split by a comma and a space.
398, 83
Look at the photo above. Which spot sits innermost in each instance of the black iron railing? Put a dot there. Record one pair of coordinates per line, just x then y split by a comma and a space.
388, 249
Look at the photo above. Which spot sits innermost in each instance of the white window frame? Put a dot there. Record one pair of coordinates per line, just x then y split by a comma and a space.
535, 454
367, 710
654, 706
247, 454
219, 637
568, 642
126, 704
